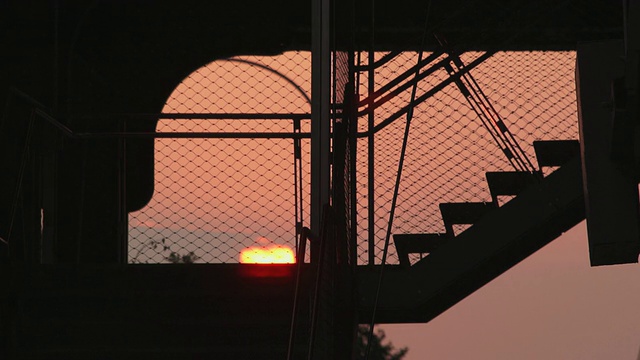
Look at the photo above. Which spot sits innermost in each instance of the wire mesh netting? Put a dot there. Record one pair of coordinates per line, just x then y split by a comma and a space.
449, 150
342, 149
215, 197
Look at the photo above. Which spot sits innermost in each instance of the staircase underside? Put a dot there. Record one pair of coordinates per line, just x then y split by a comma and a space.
460, 266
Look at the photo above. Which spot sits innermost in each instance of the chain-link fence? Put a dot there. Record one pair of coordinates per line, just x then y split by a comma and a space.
343, 146
248, 186
215, 197
449, 150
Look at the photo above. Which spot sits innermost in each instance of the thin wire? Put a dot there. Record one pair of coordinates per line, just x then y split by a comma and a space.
396, 189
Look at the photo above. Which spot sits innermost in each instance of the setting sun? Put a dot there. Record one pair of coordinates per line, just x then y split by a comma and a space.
274, 254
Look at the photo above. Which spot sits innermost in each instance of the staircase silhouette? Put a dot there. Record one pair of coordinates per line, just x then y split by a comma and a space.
498, 237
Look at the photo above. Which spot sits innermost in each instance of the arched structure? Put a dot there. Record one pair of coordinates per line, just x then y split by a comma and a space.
217, 196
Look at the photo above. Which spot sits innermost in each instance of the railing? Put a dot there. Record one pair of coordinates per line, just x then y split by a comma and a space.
25, 246
154, 243
248, 188
219, 197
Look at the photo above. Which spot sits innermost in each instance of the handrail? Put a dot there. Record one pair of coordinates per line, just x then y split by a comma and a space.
42, 111
397, 80
39, 112
27, 98
194, 135
437, 88
193, 116
403, 87
376, 64
178, 135
427, 94
18, 188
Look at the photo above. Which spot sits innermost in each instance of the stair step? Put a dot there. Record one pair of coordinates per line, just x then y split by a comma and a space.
556, 152
464, 213
509, 182
417, 243
478, 255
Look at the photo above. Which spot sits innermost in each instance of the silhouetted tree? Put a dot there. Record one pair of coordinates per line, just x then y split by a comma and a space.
161, 246
176, 258
379, 350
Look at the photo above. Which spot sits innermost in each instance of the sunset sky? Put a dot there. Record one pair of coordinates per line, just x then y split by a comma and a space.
217, 197
552, 305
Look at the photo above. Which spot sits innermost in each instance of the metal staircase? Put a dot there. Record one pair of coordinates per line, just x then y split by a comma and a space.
498, 238
481, 239
548, 153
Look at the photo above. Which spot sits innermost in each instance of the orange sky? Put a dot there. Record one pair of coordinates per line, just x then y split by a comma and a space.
237, 190
220, 196
552, 305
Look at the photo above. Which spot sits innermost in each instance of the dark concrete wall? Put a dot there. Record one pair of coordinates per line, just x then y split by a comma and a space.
94, 58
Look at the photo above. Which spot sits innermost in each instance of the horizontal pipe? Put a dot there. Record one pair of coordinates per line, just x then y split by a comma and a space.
194, 135
383, 60
428, 94
192, 116
53, 121
169, 135
409, 72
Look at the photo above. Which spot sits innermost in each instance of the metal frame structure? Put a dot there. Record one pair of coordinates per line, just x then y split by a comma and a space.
86, 64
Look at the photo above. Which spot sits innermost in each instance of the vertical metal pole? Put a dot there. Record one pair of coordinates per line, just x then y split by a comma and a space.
56, 56
49, 155
123, 215
353, 143
297, 184
371, 152
320, 120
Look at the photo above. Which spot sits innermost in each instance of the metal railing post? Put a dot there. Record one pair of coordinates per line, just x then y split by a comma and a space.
320, 123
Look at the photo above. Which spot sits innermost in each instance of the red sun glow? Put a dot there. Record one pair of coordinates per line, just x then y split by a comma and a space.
273, 254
